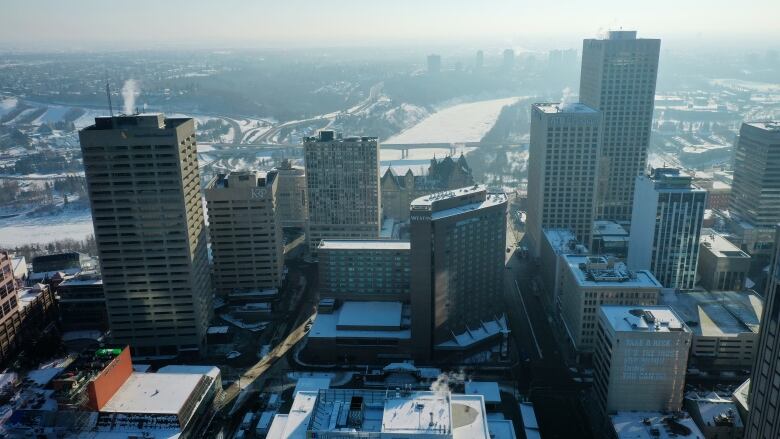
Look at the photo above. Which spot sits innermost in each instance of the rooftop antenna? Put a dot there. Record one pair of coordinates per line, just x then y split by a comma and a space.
108, 95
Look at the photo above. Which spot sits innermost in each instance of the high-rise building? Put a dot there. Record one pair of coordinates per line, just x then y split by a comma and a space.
291, 203
722, 265
562, 170
342, 180
144, 189
434, 63
10, 319
755, 193
640, 359
665, 227
618, 78
457, 256
246, 239
763, 421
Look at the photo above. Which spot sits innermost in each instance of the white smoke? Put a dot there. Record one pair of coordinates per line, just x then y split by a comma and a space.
130, 91
567, 98
443, 383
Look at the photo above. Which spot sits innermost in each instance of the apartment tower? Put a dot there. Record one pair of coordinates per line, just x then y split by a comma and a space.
618, 78
342, 179
144, 189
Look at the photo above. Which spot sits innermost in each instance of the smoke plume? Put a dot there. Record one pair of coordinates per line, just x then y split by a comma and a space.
567, 98
130, 91
444, 381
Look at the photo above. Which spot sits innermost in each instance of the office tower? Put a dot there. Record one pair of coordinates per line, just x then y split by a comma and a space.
665, 227
342, 179
640, 359
479, 62
291, 208
434, 63
556, 243
562, 170
144, 189
374, 269
246, 240
755, 193
618, 78
722, 265
457, 255
10, 319
763, 421
508, 62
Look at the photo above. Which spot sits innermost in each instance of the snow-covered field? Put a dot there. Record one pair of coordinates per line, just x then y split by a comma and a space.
459, 123
418, 159
73, 223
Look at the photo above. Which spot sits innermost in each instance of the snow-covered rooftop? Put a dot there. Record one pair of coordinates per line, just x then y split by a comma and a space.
564, 241
597, 271
654, 425
362, 319
643, 319
717, 314
311, 384
488, 389
153, 393
565, 108
720, 246
363, 244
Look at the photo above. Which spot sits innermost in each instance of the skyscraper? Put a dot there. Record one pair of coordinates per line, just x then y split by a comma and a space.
246, 238
457, 259
562, 170
342, 179
763, 422
666, 226
618, 77
291, 201
755, 193
144, 189
10, 319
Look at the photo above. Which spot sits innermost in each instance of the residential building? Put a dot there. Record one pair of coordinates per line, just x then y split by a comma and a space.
755, 205
246, 239
144, 190
722, 265
618, 78
563, 168
457, 259
291, 205
724, 325
666, 226
386, 414
763, 422
342, 181
398, 191
640, 359
82, 303
590, 282
10, 319
364, 269
556, 243
610, 238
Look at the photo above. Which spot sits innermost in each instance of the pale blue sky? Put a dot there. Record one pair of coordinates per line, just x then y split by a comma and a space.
262, 23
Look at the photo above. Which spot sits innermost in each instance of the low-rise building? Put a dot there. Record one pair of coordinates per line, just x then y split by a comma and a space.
640, 359
609, 238
344, 413
556, 243
44, 266
592, 281
654, 425
82, 303
373, 269
716, 416
722, 265
724, 325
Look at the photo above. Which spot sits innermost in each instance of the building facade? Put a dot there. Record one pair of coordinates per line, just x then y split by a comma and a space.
10, 319
398, 191
556, 243
364, 270
755, 192
82, 303
667, 220
457, 263
722, 265
763, 421
246, 239
618, 78
640, 360
342, 180
291, 210
563, 168
144, 190
590, 282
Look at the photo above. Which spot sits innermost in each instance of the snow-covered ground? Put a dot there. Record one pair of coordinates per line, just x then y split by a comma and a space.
459, 123
72, 222
418, 159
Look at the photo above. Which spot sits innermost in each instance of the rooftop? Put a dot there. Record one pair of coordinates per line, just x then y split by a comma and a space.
488, 389
351, 319
311, 384
608, 228
429, 200
598, 271
643, 319
332, 136
716, 410
719, 245
144, 120
566, 108
716, 314
564, 241
153, 393
771, 126
363, 244
654, 425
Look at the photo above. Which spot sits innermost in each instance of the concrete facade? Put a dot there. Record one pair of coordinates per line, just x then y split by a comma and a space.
144, 189
246, 239
10, 318
563, 168
556, 243
291, 200
618, 78
342, 181
722, 265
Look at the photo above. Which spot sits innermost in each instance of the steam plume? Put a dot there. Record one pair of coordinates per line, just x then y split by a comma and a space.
567, 98
130, 91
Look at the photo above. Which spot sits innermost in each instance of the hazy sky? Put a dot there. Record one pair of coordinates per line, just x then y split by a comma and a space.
61, 24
